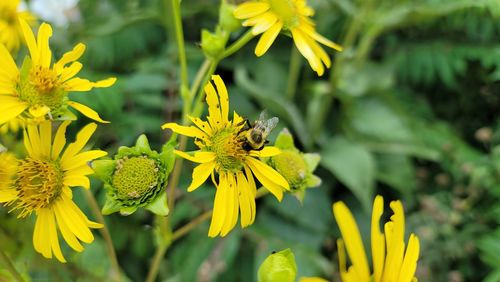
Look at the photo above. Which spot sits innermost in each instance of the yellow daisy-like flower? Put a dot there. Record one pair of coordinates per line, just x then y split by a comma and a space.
39, 90
390, 261
221, 142
270, 17
10, 30
42, 185
8, 168
12, 126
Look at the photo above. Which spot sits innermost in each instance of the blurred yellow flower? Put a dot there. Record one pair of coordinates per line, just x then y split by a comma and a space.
221, 144
8, 167
10, 30
390, 261
270, 17
42, 185
12, 126
37, 90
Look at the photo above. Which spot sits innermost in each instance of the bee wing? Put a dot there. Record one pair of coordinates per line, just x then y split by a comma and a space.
263, 115
270, 124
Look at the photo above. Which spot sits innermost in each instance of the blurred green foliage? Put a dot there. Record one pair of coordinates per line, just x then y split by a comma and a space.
408, 110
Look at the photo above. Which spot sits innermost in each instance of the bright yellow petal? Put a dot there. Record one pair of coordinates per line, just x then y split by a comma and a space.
190, 131
410, 260
251, 181
268, 151
86, 111
262, 23
12, 112
78, 84
41, 236
70, 71
70, 214
219, 211
105, 82
395, 242
9, 68
203, 125
302, 45
77, 181
223, 97
377, 239
312, 279
200, 175
39, 111
250, 9
70, 56
268, 171
44, 53
82, 138
214, 111
231, 206
45, 139
268, 183
267, 38
70, 163
30, 40
68, 236
34, 140
245, 200
54, 240
199, 157
59, 140
351, 236
7, 195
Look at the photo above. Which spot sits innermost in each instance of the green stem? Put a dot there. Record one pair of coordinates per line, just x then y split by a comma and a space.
199, 77
238, 44
110, 250
198, 104
293, 74
155, 265
179, 34
10, 267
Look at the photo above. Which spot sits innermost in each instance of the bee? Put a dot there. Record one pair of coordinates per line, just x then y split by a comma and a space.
255, 135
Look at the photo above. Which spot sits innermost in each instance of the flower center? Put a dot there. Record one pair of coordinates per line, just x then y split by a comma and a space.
42, 88
286, 11
38, 184
135, 177
228, 148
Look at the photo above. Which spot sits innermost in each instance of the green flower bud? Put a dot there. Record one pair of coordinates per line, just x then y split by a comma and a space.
295, 166
278, 267
227, 21
136, 177
213, 43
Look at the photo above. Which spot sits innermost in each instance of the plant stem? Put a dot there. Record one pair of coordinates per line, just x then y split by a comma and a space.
155, 265
198, 104
10, 267
110, 250
238, 44
293, 74
198, 78
179, 34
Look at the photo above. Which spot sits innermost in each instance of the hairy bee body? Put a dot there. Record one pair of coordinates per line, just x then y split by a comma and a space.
255, 136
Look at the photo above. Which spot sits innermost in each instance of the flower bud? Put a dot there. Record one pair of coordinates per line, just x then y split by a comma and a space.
278, 267
295, 166
213, 43
136, 177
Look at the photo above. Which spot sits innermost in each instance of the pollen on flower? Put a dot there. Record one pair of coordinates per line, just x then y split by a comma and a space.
38, 184
227, 145
135, 177
44, 80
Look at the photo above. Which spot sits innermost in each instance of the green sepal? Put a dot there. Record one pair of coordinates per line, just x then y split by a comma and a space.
312, 160
66, 114
127, 210
142, 143
284, 141
110, 206
104, 169
159, 205
278, 267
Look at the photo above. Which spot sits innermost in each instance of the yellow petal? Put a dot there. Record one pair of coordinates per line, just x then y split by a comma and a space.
377, 239
303, 46
231, 206
9, 67
190, 131
34, 141
30, 40
7, 195
410, 260
200, 175
268, 183
219, 211
70, 71
70, 56
77, 181
41, 235
223, 97
44, 53
45, 139
245, 200
78, 84
395, 242
251, 181
68, 236
12, 112
250, 9
59, 140
214, 111
70, 163
268, 171
203, 125
70, 214
54, 240
264, 22
267, 151
38, 111
199, 157
351, 236
86, 111
105, 82
267, 38
82, 138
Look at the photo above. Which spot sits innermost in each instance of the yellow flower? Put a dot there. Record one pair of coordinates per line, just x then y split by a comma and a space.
312, 279
270, 17
39, 90
42, 185
8, 167
12, 126
221, 144
10, 30
390, 261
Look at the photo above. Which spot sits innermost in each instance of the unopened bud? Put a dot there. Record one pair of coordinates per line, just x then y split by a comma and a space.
278, 267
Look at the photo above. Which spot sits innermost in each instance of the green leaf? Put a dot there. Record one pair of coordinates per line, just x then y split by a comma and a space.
353, 165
